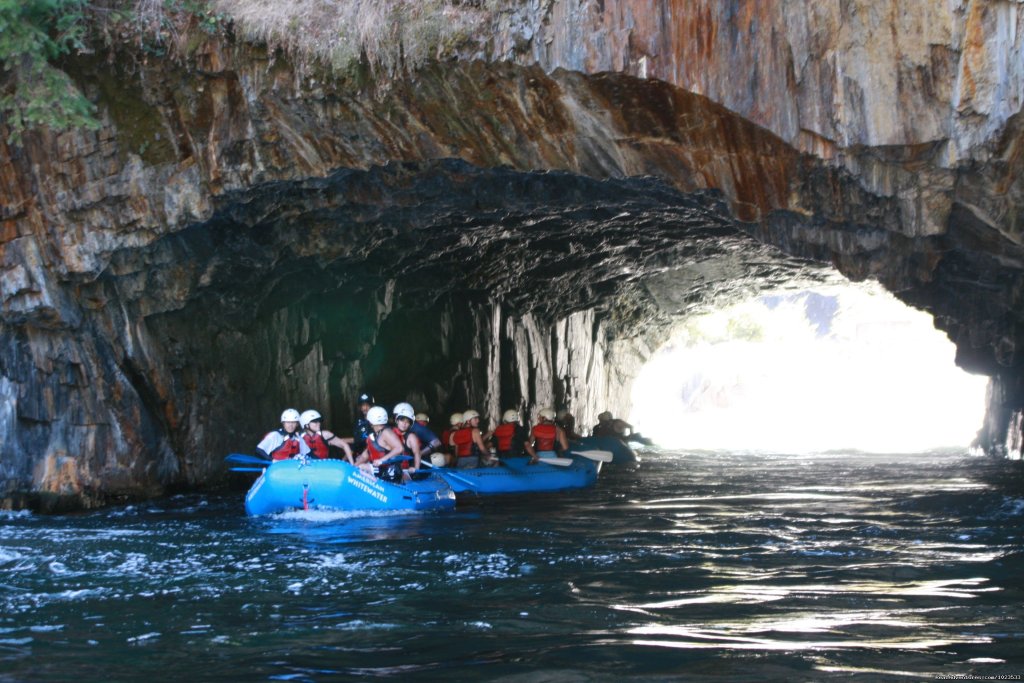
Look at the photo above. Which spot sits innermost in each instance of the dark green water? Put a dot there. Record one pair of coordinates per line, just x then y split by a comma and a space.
703, 567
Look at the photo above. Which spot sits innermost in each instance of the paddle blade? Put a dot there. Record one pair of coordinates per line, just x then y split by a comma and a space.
245, 459
560, 462
599, 456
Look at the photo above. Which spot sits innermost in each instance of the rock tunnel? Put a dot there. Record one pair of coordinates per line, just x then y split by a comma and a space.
241, 235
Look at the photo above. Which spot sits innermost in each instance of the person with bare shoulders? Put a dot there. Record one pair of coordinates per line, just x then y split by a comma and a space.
548, 438
382, 447
405, 418
469, 445
319, 440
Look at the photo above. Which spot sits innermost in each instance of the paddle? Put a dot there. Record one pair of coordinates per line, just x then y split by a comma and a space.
600, 456
454, 476
560, 462
248, 469
244, 459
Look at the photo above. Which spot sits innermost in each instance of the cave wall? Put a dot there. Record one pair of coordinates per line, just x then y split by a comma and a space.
185, 254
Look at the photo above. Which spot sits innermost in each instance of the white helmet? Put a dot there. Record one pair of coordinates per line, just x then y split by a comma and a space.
547, 413
469, 415
404, 410
377, 416
422, 417
510, 416
290, 415
455, 419
309, 416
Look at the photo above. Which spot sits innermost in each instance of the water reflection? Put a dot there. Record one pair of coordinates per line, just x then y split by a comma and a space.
789, 567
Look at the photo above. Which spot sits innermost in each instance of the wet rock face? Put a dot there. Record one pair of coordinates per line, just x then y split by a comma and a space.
240, 237
442, 284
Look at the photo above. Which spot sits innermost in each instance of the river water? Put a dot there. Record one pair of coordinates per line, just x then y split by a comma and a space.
696, 566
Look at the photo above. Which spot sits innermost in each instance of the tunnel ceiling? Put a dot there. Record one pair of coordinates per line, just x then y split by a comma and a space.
547, 243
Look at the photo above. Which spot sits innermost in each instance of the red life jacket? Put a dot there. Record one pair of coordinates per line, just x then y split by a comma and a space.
376, 450
317, 444
404, 438
288, 448
504, 434
464, 444
444, 440
545, 435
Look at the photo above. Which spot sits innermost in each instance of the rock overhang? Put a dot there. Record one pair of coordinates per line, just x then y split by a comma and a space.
261, 176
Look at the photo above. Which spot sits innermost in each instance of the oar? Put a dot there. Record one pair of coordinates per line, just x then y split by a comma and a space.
561, 462
245, 459
600, 456
454, 476
248, 469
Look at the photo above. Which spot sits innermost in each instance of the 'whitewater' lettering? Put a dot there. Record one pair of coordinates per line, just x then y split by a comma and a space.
362, 485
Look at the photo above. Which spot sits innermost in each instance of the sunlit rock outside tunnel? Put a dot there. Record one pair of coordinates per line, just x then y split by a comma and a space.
516, 220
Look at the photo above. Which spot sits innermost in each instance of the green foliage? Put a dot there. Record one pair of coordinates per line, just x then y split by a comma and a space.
36, 34
33, 34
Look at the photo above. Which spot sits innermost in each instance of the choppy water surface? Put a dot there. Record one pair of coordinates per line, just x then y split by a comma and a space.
697, 566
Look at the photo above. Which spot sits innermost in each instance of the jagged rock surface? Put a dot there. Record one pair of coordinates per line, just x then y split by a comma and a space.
170, 282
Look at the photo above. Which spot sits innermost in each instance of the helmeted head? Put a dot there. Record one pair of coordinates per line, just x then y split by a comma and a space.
309, 416
547, 414
290, 420
365, 401
510, 415
455, 419
564, 414
377, 416
404, 410
468, 415
422, 417
604, 417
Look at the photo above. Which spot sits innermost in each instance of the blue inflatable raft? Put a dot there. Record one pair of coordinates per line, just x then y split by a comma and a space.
515, 475
621, 452
336, 485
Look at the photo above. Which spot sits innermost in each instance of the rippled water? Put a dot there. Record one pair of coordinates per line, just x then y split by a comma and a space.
698, 566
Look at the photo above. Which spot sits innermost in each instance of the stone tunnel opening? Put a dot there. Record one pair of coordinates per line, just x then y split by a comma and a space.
845, 366
441, 283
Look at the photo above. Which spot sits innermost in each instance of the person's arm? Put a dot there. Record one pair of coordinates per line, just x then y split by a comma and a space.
333, 439
413, 442
530, 446
485, 450
562, 441
478, 439
391, 441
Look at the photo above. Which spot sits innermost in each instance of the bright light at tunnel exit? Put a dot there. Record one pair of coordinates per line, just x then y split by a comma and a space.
830, 369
